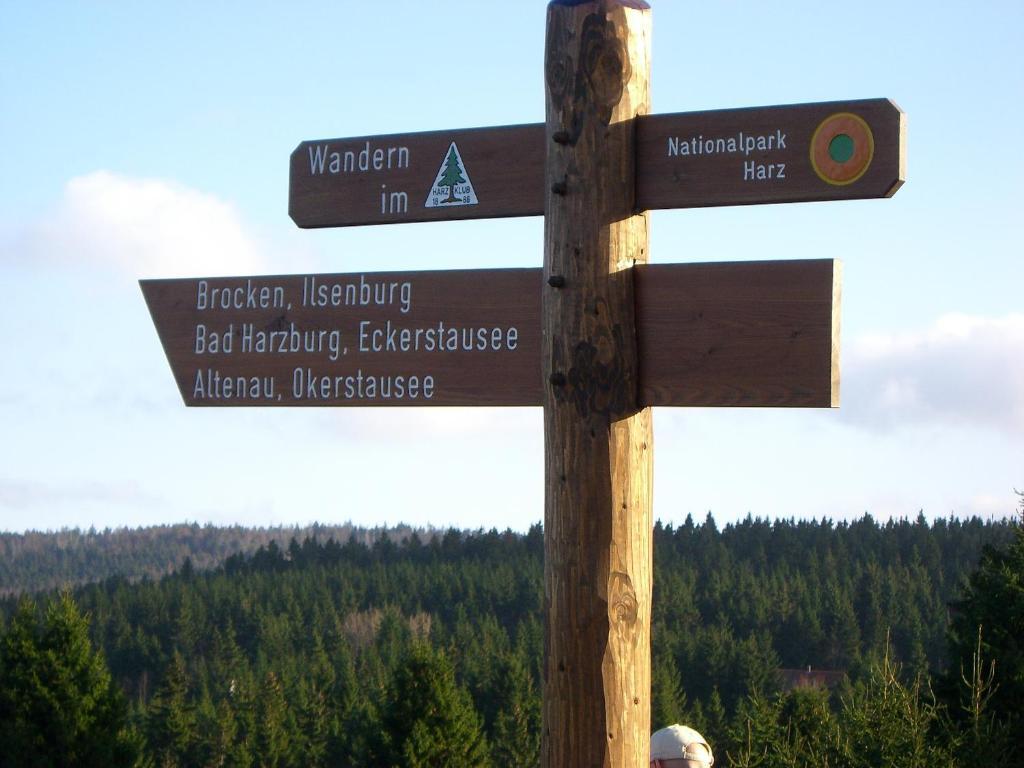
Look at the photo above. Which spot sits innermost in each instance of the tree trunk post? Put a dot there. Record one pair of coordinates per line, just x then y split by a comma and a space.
597, 440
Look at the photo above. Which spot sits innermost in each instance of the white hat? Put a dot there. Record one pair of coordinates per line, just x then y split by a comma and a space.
673, 743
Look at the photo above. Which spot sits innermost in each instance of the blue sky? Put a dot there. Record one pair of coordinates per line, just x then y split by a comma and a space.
152, 140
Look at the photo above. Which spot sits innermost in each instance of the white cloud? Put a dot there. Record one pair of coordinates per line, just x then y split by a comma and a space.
147, 228
964, 370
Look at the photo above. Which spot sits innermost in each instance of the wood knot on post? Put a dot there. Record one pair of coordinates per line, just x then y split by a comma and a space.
558, 65
623, 607
604, 63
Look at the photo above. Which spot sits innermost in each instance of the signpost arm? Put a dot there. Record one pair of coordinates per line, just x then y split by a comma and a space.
597, 440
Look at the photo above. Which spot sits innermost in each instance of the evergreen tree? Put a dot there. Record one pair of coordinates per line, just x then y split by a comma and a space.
354, 706
58, 704
316, 716
517, 725
975, 729
315, 719
172, 723
989, 623
812, 733
668, 701
757, 664
869, 611
756, 737
885, 722
716, 721
841, 633
428, 720
211, 746
274, 734
230, 748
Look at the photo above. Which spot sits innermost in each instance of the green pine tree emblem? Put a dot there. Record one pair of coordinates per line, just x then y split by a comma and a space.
452, 185
452, 175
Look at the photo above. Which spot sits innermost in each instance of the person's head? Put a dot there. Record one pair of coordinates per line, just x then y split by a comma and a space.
679, 746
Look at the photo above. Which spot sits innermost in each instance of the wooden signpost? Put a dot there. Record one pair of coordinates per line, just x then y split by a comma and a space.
596, 336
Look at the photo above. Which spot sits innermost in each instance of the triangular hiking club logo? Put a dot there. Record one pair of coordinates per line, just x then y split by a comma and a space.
452, 185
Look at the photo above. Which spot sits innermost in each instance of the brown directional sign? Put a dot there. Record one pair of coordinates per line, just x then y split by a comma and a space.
754, 333
826, 151
725, 334
829, 151
441, 175
416, 338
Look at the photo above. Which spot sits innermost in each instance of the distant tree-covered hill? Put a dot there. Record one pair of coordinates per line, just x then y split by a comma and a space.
35, 561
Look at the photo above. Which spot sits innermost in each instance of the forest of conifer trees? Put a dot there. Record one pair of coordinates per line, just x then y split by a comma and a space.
426, 648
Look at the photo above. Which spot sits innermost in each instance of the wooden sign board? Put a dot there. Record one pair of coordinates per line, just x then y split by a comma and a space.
753, 333
826, 151
724, 334
800, 153
440, 175
417, 338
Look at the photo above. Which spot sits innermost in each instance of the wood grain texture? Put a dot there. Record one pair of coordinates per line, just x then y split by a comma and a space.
758, 333
597, 439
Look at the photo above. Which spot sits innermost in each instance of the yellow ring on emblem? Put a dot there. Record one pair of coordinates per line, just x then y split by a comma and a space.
842, 148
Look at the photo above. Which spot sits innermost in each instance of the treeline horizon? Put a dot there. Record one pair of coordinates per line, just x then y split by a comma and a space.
42, 560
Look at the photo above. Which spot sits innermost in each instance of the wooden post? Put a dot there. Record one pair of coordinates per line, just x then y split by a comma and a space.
597, 440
